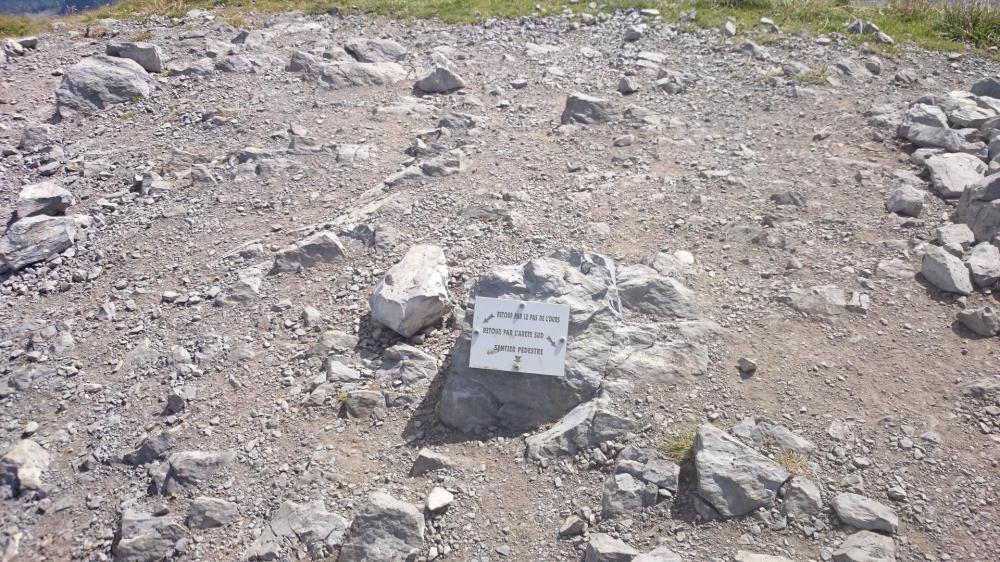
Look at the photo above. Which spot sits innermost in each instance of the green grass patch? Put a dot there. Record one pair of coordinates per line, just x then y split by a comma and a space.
680, 448
932, 24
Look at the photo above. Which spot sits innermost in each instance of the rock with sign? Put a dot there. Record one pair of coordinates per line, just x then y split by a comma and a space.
518, 336
612, 333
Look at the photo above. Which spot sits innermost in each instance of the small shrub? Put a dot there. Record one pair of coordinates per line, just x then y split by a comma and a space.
794, 463
142, 36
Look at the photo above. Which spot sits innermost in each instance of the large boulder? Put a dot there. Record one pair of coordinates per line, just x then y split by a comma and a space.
100, 81
865, 513
733, 478
413, 294
979, 207
45, 198
384, 530
34, 239
628, 334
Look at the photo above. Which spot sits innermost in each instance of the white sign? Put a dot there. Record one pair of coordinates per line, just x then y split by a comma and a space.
519, 336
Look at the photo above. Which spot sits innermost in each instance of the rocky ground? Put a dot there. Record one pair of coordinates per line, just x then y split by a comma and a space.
238, 271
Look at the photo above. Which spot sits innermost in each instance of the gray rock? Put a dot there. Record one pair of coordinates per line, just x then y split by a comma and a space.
927, 126
45, 198
362, 404
198, 68
605, 548
22, 465
35, 137
429, 461
955, 235
154, 447
989, 87
946, 272
864, 513
627, 85
149, 56
827, 300
802, 499
581, 108
34, 239
907, 201
733, 478
572, 526
408, 364
764, 431
100, 81
866, 546
192, 468
586, 426
439, 499
208, 513
623, 493
659, 554
320, 531
456, 120
951, 174
334, 341
337, 371
610, 340
248, 282
981, 321
143, 537
984, 265
413, 294
439, 79
744, 556
384, 530
321, 247
979, 207
643, 290
375, 50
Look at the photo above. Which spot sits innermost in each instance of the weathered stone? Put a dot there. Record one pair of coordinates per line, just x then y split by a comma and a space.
946, 272
192, 468
45, 198
321, 247
586, 426
407, 364
659, 554
866, 546
764, 431
623, 494
428, 461
827, 300
864, 513
927, 126
100, 81
981, 321
208, 513
439, 499
744, 556
34, 239
143, 537
439, 79
605, 548
984, 265
979, 207
733, 478
21, 467
320, 531
413, 294
384, 530
957, 234
907, 201
610, 340
802, 499
375, 50
149, 56
364, 403
951, 174
581, 108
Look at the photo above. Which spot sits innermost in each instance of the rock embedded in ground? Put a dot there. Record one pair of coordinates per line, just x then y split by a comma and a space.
802, 498
208, 513
946, 272
744, 556
588, 110
321, 247
439, 499
22, 465
982, 321
145, 537
659, 554
374, 50
439, 78
191, 468
384, 530
624, 494
609, 342
99, 82
952, 174
429, 461
866, 546
979, 207
827, 300
864, 513
584, 427
605, 548
733, 478
984, 265
413, 294
310, 524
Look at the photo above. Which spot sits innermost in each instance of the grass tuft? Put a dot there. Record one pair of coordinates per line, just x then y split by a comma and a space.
794, 463
680, 448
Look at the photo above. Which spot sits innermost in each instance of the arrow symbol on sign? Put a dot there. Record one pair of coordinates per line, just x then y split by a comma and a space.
488, 318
